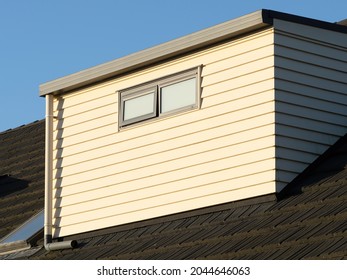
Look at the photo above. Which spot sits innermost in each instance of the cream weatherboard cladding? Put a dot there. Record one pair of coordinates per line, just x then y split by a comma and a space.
272, 101
311, 95
221, 152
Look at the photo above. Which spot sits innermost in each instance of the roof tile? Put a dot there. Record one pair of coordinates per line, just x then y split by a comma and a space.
21, 190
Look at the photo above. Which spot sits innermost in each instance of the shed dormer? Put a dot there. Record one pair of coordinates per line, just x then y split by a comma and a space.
228, 113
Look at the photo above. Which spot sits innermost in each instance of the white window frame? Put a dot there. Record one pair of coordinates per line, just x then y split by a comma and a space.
138, 92
156, 86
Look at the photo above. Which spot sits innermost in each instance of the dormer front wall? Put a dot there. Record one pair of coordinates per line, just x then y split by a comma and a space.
222, 151
311, 95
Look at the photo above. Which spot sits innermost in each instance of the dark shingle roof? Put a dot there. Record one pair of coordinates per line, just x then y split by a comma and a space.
21, 175
308, 220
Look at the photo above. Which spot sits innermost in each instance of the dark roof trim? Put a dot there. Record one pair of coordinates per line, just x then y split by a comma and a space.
269, 16
180, 46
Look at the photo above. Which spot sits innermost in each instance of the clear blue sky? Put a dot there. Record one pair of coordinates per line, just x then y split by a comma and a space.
42, 40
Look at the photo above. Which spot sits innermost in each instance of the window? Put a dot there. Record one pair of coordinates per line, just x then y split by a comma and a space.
178, 95
139, 105
165, 96
26, 230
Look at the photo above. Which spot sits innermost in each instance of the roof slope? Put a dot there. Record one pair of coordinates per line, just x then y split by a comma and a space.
307, 221
21, 174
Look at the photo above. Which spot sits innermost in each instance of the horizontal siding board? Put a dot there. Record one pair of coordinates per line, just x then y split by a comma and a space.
93, 199
315, 69
310, 124
132, 205
300, 145
181, 122
76, 226
281, 185
290, 41
233, 147
312, 92
310, 80
98, 135
310, 113
305, 134
309, 57
125, 191
156, 202
234, 94
133, 139
78, 133
89, 115
93, 94
184, 121
226, 145
287, 169
142, 164
290, 165
110, 181
89, 105
318, 34
123, 150
311, 95
238, 82
204, 57
309, 102
140, 167
302, 156
284, 177
213, 59
238, 60
145, 134
238, 71
127, 172
164, 150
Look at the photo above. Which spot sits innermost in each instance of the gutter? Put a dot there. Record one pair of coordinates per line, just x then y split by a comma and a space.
49, 245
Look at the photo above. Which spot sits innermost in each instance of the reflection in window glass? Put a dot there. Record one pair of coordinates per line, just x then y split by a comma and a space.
174, 93
178, 95
139, 106
26, 230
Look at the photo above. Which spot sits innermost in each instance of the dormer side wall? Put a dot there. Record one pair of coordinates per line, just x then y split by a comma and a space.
222, 151
311, 95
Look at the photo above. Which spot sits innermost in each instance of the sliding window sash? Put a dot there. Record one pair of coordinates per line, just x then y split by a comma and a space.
159, 98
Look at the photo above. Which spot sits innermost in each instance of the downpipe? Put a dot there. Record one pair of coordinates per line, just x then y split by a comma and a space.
49, 245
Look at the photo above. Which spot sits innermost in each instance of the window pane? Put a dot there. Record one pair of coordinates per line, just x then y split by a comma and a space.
26, 230
139, 106
178, 95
